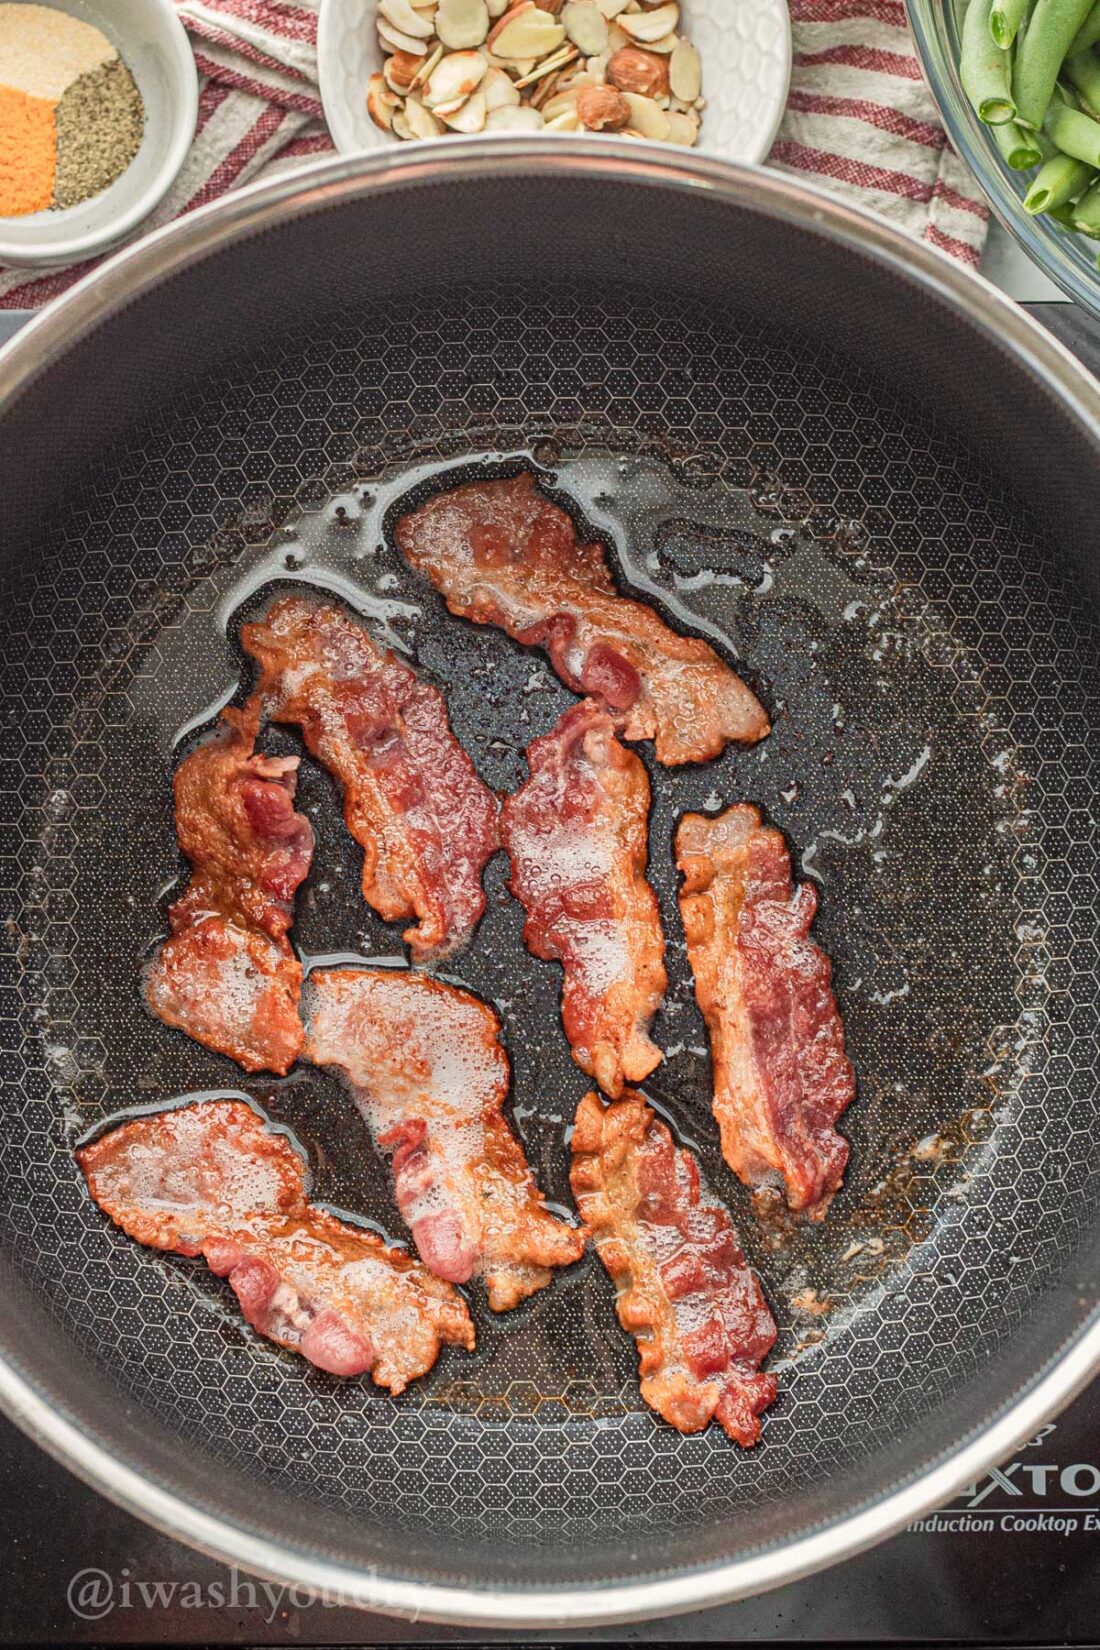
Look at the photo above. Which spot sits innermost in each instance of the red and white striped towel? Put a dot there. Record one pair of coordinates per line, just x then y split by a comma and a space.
860, 119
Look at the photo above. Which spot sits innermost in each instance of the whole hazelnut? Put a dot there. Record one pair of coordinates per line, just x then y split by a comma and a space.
633, 70
602, 109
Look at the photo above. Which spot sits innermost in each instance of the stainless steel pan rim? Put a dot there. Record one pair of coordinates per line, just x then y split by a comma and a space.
247, 213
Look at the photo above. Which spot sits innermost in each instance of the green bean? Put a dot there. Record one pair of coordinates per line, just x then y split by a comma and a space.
1018, 148
984, 68
1062, 215
1074, 133
1088, 34
1005, 19
1039, 56
1083, 73
1058, 181
1086, 213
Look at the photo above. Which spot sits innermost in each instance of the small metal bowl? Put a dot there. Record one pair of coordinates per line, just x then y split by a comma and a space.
745, 47
1069, 259
152, 41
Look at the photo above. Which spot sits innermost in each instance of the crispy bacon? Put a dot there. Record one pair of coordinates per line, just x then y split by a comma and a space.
576, 836
210, 1179
781, 1076
412, 797
684, 1290
226, 974
426, 1067
501, 553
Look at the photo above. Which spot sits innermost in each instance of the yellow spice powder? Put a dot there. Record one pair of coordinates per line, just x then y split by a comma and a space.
28, 152
43, 50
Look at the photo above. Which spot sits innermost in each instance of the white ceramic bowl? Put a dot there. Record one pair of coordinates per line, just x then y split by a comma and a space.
745, 46
152, 40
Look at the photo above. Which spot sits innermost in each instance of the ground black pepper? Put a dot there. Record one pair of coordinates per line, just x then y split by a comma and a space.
100, 120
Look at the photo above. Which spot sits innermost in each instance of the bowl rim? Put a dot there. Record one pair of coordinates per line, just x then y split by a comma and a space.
248, 212
176, 48
335, 108
1044, 244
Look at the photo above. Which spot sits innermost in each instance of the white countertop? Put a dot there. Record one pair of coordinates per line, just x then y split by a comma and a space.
1010, 268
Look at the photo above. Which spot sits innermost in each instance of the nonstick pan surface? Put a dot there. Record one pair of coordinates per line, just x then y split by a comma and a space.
915, 604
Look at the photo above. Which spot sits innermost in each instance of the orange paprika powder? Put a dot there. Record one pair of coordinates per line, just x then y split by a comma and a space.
28, 152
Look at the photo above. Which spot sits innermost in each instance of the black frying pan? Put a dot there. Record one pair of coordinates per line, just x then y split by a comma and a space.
873, 484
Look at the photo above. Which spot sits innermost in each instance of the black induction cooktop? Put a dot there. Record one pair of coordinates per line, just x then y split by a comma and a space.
1015, 1560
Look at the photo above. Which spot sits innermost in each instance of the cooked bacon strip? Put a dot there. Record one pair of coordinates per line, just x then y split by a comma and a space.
781, 1077
684, 1290
210, 1179
226, 974
501, 553
576, 836
412, 797
426, 1067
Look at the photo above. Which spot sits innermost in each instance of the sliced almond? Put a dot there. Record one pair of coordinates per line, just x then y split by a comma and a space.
462, 23
612, 8
509, 15
666, 46
398, 41
647, 118
421, 122
514, 120
586, 26
549, 65
546, 88
567, 121
471, 117
497, 8
400, 70
455, 78
646, 26
499, 89
401, 16
526, 31
381, 102
685, 72
682, 128
427, 65
561, 103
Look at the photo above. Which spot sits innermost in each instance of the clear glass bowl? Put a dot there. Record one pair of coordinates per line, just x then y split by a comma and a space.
1069, 259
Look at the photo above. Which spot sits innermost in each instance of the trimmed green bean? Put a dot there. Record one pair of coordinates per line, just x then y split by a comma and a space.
1086, 213
1083, 73
1039, 56
1088, 34
1005, 18
1018, 147
984, 68
1062, 215
1074, 133
1058, 182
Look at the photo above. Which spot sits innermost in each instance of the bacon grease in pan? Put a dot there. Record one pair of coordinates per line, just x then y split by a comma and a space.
684, 1290
576, 836
501, 553
425, 1064
781, 1076
412, 797
210, 1179
226, 974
